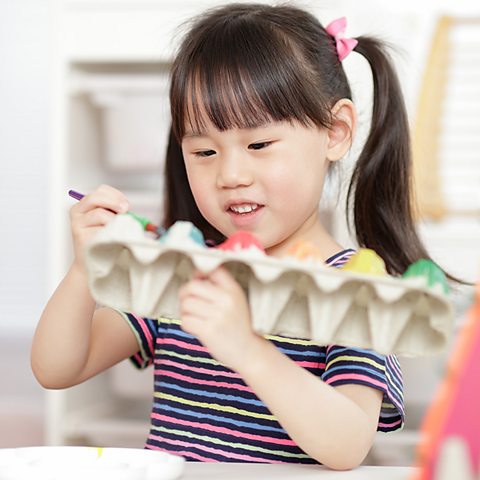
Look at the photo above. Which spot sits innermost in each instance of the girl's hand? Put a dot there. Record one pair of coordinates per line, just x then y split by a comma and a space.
214, 309
90, 214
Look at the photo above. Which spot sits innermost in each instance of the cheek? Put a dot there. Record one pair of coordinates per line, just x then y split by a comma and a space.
294, 188
281, 187
201, 187
195, 181
197, 185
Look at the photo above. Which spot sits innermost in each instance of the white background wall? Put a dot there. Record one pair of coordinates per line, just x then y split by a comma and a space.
24, 136
25, 99
24, 154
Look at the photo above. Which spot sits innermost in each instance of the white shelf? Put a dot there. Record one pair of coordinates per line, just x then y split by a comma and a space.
109, 56
122, 84
120, 424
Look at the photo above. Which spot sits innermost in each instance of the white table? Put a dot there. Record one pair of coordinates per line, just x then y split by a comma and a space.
237, 471
83, 456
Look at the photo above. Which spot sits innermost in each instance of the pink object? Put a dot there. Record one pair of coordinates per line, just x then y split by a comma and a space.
344, 45
240, 241
454, 411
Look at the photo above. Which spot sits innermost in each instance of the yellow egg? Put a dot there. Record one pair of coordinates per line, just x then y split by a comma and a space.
366, 261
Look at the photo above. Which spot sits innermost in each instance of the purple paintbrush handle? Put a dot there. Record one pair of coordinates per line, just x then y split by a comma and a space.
76, 195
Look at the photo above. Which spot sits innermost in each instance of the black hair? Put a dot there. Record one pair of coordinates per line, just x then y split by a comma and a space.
244, 64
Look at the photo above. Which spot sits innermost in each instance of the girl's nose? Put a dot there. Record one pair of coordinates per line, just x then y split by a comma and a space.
234, 171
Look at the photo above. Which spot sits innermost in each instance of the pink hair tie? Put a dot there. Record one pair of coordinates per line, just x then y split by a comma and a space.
344, 45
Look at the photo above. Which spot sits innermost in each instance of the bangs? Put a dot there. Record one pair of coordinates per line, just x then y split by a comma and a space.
243, 75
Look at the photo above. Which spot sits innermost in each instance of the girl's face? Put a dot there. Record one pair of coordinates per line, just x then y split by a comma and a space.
266, 180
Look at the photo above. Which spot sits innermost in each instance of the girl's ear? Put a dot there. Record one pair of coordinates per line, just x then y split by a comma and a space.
342, 131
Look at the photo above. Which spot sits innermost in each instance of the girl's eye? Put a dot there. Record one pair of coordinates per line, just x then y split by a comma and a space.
205, 153
259, 146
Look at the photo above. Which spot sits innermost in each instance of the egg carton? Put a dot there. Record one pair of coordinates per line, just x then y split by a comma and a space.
129, 271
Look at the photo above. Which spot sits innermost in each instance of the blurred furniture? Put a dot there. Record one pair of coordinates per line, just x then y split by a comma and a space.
446, 144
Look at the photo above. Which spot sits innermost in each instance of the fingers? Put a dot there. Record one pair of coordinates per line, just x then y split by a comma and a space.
98, 207
195, 301
199, 288
193, 307
221, 277
92, 212
207, 292
105, 197
197, 298
202, 283
97, 217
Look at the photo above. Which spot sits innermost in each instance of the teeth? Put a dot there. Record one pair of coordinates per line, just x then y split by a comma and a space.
244, 208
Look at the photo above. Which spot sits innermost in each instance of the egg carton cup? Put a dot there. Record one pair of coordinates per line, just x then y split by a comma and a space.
129, 271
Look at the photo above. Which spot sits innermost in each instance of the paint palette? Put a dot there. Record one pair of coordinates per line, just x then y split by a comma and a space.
359, 305
80, 463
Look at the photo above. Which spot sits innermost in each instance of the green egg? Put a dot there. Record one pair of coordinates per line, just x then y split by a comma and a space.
429, 270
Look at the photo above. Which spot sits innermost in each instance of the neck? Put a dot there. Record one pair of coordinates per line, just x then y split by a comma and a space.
311, 232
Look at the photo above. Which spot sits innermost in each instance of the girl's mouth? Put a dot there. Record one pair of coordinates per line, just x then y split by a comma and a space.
244, 215
244, 208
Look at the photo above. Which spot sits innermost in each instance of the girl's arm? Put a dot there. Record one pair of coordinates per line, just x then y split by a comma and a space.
334, 425
73, 341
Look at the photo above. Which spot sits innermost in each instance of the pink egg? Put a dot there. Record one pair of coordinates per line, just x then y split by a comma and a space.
241, 241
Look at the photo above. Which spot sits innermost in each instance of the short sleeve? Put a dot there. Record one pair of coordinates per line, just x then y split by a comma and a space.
145, 331
364, 367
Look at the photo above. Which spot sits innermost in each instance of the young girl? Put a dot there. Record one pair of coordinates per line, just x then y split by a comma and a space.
261, 110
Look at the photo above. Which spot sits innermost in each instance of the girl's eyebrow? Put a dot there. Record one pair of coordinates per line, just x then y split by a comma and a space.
190, 134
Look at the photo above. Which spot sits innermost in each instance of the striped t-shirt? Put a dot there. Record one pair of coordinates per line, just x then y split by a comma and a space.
205, 411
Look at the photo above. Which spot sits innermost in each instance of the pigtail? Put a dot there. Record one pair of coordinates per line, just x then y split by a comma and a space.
381, 184
178, 200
